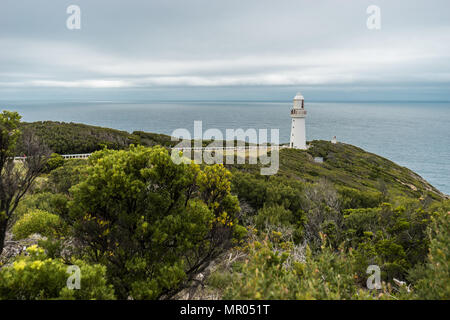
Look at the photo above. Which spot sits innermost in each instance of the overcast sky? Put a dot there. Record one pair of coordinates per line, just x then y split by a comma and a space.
227, 49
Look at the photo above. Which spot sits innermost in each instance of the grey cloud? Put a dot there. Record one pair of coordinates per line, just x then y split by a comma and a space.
131, 45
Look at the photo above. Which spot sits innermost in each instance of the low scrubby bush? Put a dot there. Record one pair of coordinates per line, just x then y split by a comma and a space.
42, 222
37, 277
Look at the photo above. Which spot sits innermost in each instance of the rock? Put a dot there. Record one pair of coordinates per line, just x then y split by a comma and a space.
14, 248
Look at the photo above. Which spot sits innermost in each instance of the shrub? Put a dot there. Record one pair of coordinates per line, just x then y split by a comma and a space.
69, 138
38, 221
435, 280
153, 223
55, 161
64, 177
259, 191
36, 276
392, 237
46, 201
271, 273
262, 276
352, 198
274, 215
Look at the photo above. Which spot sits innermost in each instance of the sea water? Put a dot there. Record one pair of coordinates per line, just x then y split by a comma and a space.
412, 134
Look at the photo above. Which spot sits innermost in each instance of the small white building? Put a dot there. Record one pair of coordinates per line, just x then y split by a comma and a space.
298, 130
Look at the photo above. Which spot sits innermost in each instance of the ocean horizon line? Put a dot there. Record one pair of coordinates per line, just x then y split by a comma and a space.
212, 100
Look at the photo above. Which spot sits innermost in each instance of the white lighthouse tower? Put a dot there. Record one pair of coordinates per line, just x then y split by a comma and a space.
298, 131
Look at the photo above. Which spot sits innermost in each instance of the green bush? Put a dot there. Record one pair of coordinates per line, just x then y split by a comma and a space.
47, 201
261, 276
55, 161
278, 202
435, 275
239, 233
37, 277
272, 273
64, 177
152, 222
273, 215
259, 191
352, 198
38, 221
69, 138
392, 237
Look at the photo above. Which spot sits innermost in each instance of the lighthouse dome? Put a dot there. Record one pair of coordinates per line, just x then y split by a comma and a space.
299, 96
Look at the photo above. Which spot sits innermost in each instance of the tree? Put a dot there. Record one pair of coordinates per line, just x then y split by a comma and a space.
16, 178
153, 223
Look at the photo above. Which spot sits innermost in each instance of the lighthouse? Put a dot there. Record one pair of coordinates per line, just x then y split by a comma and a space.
298, 115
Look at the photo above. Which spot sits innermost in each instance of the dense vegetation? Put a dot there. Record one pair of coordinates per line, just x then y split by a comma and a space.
141, 227
73, 138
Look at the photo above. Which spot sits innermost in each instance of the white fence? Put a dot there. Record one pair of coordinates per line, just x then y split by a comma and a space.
65, 156
87, 155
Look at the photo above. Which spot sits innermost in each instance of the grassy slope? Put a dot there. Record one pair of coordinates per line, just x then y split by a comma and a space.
344, 165
347, 165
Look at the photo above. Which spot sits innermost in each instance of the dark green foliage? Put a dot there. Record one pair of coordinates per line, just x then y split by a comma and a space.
151, 222
276, 216
55, 161
278, 202
251, 188
70, 138
259, 191
147, 226
433, 278
9, 135
351, 198
61, 179
393, 238
16, 179
346, 207
270, 273
153, 139
47, 201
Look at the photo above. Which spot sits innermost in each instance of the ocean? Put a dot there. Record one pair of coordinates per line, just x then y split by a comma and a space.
412, 134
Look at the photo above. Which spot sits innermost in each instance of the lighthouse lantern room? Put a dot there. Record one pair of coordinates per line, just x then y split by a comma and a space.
298, 115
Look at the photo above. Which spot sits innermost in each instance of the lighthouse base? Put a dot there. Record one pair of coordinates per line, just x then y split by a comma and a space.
298, 134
